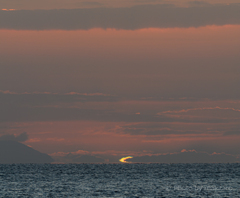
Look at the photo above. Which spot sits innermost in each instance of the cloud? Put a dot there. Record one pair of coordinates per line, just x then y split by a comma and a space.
7, 126
79, 152
61, 113
18, 138
174, 129
228, 133
137, 17
199, 109
198, 3
205, 114
15, 107
142, 130
79, 156
90, 3
46, 98
187, 156
48, 4
94, 156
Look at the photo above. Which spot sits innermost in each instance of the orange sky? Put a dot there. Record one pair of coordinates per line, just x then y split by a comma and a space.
131, 137
155, 43
109, 60
143, 91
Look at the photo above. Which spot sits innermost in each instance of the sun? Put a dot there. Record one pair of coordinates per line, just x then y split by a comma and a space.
125, 158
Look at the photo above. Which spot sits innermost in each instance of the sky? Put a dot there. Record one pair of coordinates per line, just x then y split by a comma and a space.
102, 80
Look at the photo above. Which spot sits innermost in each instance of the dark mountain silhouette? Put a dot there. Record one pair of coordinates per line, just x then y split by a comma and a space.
16, 152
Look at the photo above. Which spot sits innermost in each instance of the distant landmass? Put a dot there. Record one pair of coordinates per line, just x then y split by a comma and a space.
71, 158
186, 157
16, 152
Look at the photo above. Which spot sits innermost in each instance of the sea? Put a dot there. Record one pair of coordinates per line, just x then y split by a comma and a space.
120, 180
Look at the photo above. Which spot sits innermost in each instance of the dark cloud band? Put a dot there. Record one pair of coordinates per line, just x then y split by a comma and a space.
18, 138
138, 17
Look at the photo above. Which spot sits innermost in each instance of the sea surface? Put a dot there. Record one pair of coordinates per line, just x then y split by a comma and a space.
120, 180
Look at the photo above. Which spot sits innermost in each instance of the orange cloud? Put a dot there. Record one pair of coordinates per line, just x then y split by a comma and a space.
8, 9
196, 109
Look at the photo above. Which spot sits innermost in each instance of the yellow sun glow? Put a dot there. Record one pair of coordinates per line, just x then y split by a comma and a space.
125, 158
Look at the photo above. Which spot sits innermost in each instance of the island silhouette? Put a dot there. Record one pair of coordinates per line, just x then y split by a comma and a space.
15, 152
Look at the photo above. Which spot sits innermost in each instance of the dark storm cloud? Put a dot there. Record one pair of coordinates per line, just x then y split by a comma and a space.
19, 138
187, 157
144, 16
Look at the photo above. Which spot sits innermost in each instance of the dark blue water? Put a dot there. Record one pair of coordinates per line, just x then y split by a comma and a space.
120, 180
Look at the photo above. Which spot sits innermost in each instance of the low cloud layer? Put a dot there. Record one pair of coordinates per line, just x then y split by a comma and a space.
18, 138
185, 156
47, 98
229, 133
138, 17
77, 157
106, 108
